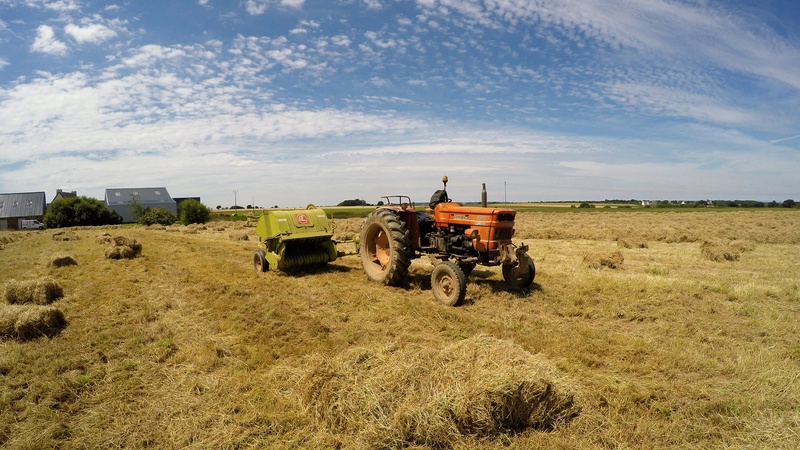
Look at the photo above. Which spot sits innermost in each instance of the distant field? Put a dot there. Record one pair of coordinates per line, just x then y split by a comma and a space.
346, 212
692, 342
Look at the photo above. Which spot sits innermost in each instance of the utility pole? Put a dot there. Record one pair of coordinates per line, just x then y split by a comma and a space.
505, 191
234, 197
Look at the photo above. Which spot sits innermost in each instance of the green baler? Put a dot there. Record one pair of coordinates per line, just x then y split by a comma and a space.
294, 238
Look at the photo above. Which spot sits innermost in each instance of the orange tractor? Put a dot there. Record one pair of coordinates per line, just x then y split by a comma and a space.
455, 237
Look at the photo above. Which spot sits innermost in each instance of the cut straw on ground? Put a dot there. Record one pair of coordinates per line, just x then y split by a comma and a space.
392, 397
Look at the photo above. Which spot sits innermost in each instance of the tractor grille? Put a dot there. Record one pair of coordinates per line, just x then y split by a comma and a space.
503, 234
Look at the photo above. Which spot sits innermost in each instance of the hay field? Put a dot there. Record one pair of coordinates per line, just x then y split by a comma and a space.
186, 346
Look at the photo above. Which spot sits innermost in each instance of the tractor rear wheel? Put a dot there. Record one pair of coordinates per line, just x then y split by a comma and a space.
385, 248
449, 283
260, 261
516, 277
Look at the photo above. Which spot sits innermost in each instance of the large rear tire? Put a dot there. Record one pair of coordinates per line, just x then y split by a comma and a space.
449, 283
518, 279
385, 248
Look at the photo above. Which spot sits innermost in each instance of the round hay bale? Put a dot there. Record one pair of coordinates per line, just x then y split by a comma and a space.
611, 260
30, 322
399, 397
63, 261
104, 238
41, 291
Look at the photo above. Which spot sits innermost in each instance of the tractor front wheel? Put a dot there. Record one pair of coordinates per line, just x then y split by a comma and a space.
517, 277
449, 283
385, 248
260, 261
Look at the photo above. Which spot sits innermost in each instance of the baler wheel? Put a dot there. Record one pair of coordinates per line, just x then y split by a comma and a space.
449, 283
520, 280
260, 261
385, 248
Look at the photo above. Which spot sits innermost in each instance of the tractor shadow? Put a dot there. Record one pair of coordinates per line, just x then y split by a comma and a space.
478, 277
302, 271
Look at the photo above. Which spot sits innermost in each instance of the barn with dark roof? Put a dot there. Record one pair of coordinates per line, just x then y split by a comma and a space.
16, 207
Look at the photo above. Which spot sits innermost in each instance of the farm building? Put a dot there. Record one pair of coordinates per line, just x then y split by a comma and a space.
17, 207
60, 193
120, 200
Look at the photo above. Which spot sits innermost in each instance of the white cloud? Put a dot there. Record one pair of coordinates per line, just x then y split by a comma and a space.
258, 7
46, 42
665, 101
358, 98
341, 39
90, 33
62, 6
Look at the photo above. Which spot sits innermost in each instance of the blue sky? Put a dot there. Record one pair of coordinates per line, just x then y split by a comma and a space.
291, 102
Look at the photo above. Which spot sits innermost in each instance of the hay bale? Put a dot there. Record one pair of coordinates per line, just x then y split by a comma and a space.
8, 318
104, 238
719, 251
41, 291
124, 248
611, 260
30, 322
128, 242
63, 261
120, 252
66, 236
395, 397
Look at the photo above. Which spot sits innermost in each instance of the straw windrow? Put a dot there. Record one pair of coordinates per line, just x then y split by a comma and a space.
393, 397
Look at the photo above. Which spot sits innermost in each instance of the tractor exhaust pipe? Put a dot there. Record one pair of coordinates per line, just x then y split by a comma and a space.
483, 195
